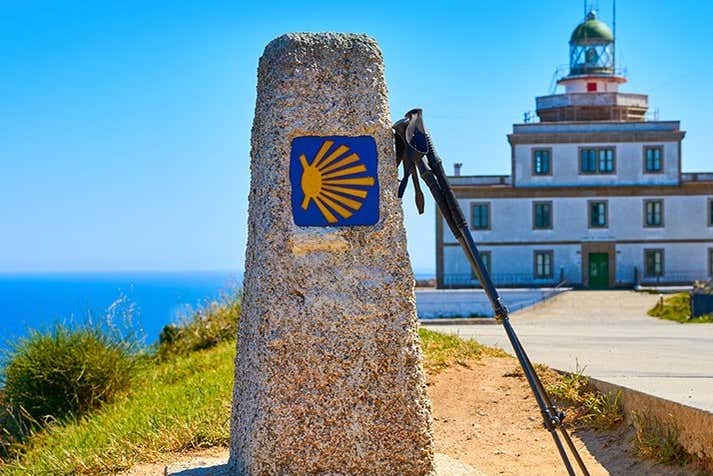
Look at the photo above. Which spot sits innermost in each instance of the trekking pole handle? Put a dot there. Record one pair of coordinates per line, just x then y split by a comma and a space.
436, 165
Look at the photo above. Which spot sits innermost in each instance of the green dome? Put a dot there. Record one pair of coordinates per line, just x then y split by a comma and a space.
591, 31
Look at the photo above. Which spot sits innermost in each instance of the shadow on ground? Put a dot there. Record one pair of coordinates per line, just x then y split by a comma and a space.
608, 449
218, 470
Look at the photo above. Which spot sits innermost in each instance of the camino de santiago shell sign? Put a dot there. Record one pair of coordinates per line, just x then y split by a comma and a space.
334, 181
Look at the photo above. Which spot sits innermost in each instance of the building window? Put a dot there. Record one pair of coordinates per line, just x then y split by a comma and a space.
710, 212
542, 215
486, 257
543, 264
653, 263
653, 160
589, 161
598, 214
606, 161
542, 162
597, 161
480, 216
591, 87
710, 262
653, 213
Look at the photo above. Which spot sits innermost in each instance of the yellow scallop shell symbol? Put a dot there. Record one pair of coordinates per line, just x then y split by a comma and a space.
334, 181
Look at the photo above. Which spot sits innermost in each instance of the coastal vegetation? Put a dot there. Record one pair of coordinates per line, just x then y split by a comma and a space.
89, 398
178, 399
201, 329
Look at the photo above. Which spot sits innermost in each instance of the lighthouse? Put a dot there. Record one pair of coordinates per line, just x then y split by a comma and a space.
591, 89
596, 197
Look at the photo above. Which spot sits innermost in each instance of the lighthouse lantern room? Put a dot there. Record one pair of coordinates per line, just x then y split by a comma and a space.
591, 89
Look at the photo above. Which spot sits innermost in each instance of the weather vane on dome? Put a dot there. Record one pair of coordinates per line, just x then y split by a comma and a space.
591, 7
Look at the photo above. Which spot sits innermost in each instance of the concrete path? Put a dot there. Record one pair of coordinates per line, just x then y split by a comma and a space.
609, 335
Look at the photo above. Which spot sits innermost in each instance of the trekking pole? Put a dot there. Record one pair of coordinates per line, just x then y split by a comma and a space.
415, 150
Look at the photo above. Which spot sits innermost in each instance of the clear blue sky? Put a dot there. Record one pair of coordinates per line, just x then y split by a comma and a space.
125, 125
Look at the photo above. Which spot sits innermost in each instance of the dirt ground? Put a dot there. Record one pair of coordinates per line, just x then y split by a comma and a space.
489, 420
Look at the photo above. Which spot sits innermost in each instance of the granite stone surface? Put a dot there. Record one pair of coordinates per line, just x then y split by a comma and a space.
328, 375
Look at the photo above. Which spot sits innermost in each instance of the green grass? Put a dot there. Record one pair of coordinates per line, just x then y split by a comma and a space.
203, 328
658, 441
678, 308
68, 370
176, 405
441, 350
586, 406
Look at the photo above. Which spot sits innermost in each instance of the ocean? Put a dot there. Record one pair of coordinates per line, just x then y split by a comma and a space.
38, 301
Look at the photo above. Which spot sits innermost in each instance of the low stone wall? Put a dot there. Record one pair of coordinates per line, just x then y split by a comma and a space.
695, 426
437, 303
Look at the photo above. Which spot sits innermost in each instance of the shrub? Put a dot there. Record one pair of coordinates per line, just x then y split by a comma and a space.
203, 328
674, 308
68, 370
15, 428
678, 308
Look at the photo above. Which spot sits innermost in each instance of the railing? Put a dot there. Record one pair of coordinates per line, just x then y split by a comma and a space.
592, 99
562, 71
467, 280
697, 177
599, 126
670, 277
459, 180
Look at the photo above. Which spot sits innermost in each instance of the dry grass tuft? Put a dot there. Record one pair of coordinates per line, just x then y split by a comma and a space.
443, 350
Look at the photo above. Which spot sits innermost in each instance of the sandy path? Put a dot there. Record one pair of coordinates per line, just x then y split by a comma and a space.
491, 421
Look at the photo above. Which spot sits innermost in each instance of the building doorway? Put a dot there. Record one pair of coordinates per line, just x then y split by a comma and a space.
598, 270
598, 264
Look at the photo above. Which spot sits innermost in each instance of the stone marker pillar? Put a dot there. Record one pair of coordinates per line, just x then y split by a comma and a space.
328, 376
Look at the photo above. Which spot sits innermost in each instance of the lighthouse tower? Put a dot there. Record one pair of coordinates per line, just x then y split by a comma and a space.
592, 85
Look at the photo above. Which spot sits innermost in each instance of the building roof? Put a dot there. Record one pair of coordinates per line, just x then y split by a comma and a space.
591, 30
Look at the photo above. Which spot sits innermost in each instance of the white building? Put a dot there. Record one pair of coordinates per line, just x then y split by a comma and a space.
596, 196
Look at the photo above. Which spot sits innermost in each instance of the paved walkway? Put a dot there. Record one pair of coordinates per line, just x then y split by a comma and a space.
609, 335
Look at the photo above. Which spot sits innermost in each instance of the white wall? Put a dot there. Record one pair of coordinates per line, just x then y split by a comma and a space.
580, 85
514, 264
565, 165
682, 261
435, 303
685, 218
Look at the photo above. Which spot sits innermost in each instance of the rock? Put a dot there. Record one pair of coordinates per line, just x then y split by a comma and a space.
328, 374
447, 466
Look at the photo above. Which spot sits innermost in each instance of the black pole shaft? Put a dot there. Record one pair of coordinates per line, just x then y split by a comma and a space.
552, 409
541, 397
573, 450
435, 179
548, 402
